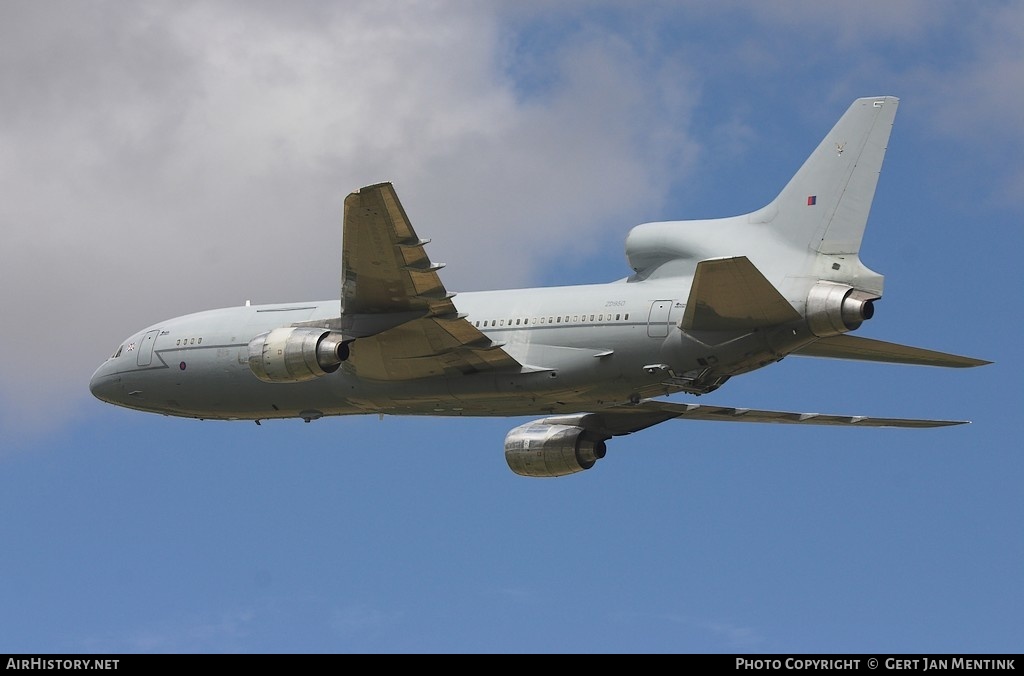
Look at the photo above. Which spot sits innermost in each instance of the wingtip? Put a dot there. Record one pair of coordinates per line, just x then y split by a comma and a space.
372, 186
886, 97
971, 362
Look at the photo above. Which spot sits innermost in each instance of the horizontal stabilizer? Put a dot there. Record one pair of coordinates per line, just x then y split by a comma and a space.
866, 349
731, 294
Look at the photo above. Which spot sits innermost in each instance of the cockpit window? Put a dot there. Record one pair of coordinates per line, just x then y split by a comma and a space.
118, 353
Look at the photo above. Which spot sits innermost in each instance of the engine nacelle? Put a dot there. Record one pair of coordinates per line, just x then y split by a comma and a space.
539, 449
293, 354
837, 308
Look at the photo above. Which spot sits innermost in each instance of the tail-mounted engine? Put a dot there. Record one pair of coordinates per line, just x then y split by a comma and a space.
539, 449
837, 308
293, 354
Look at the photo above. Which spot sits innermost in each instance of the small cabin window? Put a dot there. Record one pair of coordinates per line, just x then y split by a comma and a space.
626, 317
617, 317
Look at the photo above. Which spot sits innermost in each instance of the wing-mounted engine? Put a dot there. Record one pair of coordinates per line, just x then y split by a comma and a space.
539, 449
293, 354
834, 308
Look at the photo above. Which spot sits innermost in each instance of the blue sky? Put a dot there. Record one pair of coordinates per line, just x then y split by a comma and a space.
163, 158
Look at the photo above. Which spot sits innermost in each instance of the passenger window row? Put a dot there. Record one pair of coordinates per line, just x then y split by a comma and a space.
554, 319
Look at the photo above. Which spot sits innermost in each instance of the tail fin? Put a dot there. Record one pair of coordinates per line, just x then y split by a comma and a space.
825, 205
811, 231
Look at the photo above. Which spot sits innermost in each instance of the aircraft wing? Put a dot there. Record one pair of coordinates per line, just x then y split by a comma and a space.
394, 302
626, 419
384, 267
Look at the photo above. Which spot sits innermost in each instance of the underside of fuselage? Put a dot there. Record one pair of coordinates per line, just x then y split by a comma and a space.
167, 387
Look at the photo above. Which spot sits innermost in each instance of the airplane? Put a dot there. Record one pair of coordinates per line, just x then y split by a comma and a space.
706, 300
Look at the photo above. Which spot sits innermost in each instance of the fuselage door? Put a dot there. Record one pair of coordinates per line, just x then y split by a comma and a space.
146, 349
657, 322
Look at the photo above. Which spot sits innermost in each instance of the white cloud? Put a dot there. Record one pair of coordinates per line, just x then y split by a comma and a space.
977, 101
850, 25
165, 158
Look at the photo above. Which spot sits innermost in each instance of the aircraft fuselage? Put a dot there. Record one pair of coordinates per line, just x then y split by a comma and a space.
581, 346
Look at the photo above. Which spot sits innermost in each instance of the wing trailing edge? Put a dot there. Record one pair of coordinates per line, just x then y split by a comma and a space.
732, 414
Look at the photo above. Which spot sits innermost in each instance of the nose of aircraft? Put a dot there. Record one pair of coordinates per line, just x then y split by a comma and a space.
106, 385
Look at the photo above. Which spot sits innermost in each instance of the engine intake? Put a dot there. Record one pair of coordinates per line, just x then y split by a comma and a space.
837, 308
294, 354
539, 449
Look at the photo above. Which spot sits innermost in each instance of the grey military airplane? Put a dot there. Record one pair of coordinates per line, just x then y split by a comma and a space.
707, 300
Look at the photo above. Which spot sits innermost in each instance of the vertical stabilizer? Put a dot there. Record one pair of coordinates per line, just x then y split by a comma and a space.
825, 205
810, 232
